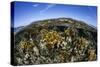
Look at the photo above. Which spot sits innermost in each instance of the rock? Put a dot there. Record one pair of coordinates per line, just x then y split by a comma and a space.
19, 60
36, 51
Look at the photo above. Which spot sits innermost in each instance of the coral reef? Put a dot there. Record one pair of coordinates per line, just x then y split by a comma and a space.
59, 40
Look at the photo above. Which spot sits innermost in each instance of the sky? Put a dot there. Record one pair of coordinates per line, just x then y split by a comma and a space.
28, 12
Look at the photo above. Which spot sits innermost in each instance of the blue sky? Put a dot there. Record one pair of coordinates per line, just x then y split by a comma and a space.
27, 12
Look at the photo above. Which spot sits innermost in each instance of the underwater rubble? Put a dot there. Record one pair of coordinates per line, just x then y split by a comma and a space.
59, 40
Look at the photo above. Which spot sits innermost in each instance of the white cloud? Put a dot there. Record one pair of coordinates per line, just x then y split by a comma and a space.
47, 7
35, 5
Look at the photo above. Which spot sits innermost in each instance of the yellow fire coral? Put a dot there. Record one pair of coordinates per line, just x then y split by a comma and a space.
52, 38
25, 45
